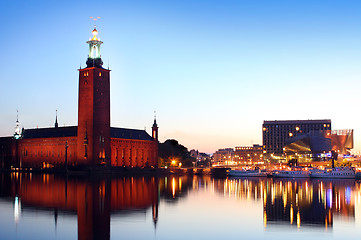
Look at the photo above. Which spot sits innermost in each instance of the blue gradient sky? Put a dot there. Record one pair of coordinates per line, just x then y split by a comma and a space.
213, 70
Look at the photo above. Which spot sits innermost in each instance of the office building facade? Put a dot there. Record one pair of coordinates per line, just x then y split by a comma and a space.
277, 133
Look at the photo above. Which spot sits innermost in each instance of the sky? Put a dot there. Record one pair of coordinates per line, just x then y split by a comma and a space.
212, 70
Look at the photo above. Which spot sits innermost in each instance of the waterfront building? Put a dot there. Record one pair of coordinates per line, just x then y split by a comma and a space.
223, 156
249, 154
276, 133
319, 145
199, 156
202, 159
93, 142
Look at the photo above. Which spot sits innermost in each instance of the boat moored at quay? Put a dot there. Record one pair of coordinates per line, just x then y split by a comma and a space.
294, 173
246, 173
299, 172
334, 173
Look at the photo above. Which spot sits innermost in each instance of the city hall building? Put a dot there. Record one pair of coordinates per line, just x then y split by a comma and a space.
93, 142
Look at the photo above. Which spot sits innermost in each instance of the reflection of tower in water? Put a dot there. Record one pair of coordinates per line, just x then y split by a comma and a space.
93, 199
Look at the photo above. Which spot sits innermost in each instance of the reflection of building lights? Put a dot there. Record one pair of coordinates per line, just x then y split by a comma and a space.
284, 199
173, 187
291, 215
264, 219
17, 209
348, 195
329, 198
298, 219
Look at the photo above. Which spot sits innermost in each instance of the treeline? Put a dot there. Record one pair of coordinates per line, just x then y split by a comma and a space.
173, 154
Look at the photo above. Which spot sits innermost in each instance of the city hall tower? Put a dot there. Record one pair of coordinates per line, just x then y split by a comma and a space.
93, 143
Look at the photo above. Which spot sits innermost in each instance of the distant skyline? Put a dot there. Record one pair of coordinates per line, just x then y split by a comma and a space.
212, 70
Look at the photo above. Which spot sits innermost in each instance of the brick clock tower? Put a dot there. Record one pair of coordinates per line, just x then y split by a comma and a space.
93, 143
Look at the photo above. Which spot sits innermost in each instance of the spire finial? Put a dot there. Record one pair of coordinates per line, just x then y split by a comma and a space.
56, 118
95, 32
94, 57
17, 132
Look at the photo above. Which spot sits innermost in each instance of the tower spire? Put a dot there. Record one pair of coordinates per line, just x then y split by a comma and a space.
155, 128
94, 57
17, 132
56, 118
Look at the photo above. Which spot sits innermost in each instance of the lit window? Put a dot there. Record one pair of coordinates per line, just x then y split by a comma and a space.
100, 74
324, 125
297, 128
290, 134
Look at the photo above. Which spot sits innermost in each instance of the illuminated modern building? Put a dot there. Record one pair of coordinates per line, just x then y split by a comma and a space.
93, 142
276, 133
249, 154
319, 144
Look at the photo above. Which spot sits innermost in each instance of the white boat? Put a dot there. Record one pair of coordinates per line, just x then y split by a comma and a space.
247, 173
291, 173
337, 172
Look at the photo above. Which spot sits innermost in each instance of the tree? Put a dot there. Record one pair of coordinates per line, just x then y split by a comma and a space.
171, 153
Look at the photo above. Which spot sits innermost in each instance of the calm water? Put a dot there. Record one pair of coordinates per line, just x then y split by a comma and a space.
188, 207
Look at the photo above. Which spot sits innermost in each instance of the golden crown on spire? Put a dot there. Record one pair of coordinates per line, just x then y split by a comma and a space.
95, 32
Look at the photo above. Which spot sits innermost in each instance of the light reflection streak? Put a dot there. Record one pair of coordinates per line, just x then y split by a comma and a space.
298, 219
293, 200
17, 209
173, 187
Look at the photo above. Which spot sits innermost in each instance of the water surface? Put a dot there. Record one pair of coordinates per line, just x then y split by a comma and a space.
45, 206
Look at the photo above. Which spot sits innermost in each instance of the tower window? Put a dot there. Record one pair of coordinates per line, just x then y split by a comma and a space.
100, 74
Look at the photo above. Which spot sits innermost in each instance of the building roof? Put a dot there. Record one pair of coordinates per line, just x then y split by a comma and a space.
321, 121
72, 131
127, 133
50, 132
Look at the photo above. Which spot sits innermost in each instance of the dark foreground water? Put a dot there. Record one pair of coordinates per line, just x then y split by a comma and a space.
188, 207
